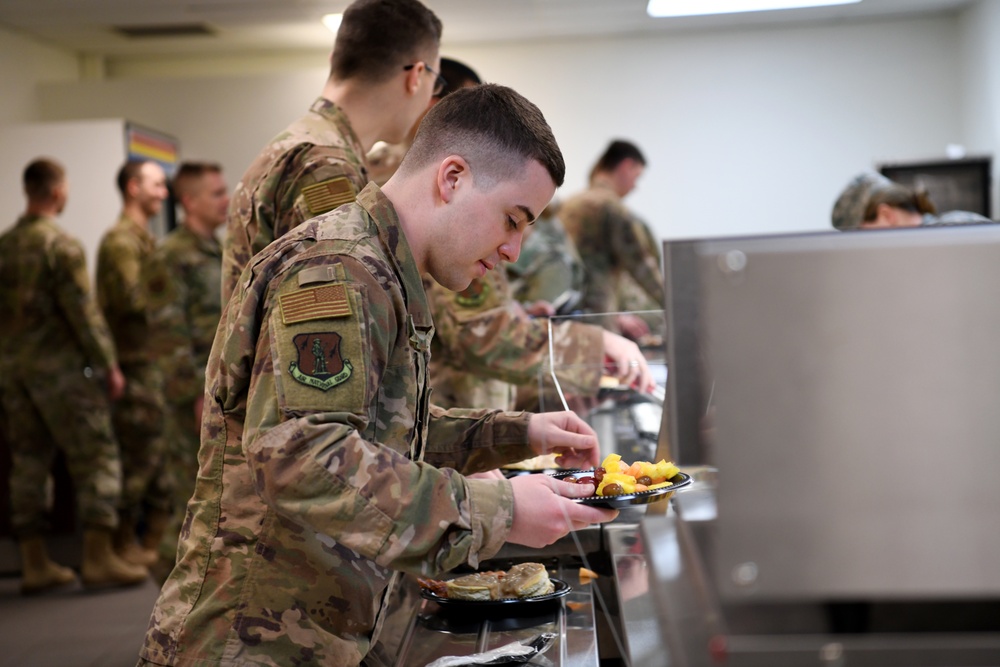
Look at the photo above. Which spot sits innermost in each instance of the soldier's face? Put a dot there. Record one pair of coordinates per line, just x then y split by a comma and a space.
210, 202
482, 226
627, 173
151, 188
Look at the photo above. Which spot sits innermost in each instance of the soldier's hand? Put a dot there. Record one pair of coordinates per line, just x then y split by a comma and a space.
632, 326
115, 383
629, 364
544, 511
565, 434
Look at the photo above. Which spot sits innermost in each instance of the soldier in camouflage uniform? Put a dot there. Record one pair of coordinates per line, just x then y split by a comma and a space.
186, 310
123, 256
324, 471
486, 343
317, 163
549, 267
608, 239
57, 369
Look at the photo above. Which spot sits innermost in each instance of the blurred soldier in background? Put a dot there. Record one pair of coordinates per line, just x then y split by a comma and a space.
187, 267
58, 370
610, 240
549, 268
124, 254
383, 71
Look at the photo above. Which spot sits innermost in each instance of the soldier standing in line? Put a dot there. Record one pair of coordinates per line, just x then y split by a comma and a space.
320, 482
58, 371
123, 257
608, 239
383, 70
187, 270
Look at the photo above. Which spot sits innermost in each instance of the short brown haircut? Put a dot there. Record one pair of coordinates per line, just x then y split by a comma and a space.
378, 37
129, 171
41, 177
901, 197
617, 152
189, 174
495, 129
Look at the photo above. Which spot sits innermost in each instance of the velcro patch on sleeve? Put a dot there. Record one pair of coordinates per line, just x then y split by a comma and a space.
328, 195
316, 303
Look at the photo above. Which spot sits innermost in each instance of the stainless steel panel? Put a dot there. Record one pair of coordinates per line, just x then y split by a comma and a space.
856, 402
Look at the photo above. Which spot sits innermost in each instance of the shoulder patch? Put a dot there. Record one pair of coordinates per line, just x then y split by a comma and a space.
474, 295
319, 362
328, 195
316, 303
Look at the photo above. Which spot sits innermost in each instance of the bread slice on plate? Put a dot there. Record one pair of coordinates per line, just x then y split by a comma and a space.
478, 587
526, 580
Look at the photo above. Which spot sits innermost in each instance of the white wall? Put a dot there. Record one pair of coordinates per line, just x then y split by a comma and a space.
746, 131
90, 150
981, 82
23, 64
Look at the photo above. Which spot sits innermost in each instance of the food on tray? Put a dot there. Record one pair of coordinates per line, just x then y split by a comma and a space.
614, 477
587, 575
526, 580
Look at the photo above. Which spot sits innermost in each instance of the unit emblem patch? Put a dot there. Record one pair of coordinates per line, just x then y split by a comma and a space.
474, 295
319, 363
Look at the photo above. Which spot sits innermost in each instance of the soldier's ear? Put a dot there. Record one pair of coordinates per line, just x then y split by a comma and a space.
453, 174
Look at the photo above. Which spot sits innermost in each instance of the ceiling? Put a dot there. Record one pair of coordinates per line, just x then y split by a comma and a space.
88, 27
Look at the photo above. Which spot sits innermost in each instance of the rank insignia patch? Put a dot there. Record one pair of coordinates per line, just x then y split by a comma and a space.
319, 363
328, 195
316, 303
474, 295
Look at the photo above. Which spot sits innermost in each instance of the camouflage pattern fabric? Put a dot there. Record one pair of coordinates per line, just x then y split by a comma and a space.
610, 243
548, 266
185, 307
56, 348
485, 344
124, 258
323, 468
313, 166
630, 296
849, 208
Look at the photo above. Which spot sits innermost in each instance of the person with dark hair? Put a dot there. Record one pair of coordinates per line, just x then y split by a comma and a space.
185, 279
383, 71
611, 240
384, 158
872, 201
123, 255
324, 470
58, 375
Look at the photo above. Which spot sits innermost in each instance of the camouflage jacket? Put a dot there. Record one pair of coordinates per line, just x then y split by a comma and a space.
50, 322
548, 266
485, 340
122, 259
315, 165
184, 283
323, 468
610, 243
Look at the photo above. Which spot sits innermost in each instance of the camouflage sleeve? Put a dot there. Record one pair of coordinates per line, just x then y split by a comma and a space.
77, 302
628, 248
481, 330
120, 278
170, 327
304, 183
310, 460
318, 179
477, 440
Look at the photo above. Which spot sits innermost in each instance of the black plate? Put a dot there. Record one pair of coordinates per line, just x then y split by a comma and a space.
680, 480
560, 587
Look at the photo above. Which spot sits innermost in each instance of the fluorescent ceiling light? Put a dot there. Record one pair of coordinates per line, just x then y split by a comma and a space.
662, 8
332, 22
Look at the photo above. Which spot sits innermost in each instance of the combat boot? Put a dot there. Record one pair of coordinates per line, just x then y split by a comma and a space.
103, 567
129, 549
38, 572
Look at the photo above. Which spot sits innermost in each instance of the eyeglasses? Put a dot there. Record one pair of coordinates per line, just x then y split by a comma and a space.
439, 81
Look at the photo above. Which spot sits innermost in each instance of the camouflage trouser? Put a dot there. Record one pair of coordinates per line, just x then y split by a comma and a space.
69, 412
180, 470
138, 419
